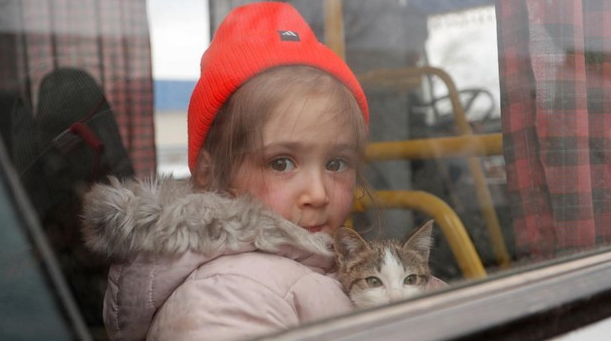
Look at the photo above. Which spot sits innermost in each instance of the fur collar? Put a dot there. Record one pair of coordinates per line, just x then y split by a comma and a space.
166, 216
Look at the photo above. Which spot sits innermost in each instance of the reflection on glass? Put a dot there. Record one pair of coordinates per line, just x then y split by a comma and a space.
554, 85
29, 306
490, 116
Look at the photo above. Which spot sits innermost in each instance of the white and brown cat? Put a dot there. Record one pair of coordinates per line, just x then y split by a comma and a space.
383, 271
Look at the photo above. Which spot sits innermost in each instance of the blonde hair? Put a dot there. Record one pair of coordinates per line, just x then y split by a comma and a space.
237, 128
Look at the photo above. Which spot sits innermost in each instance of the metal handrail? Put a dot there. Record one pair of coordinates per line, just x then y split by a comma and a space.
435, 148
401, 78
455, 233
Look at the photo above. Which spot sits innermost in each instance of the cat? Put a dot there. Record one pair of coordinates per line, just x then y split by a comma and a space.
383, 271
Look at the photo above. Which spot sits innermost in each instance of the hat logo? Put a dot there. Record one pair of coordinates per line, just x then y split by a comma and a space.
288, 36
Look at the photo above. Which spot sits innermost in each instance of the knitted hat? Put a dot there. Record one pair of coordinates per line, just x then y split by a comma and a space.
252, 39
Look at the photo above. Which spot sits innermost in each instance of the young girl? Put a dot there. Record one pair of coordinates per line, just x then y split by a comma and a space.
275, 116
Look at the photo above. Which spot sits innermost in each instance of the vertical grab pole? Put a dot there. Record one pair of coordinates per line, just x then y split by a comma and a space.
334, 27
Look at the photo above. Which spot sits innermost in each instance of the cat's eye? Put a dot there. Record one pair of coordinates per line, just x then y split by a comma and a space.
373, 282
410, 280
282, 164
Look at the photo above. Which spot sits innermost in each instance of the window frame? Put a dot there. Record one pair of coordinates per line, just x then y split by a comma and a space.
569, 293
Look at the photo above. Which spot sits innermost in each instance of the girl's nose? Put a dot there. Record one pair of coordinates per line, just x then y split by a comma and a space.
314, 191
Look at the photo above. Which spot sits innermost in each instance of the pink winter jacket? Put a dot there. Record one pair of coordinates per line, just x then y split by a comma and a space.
200, 266
231, 297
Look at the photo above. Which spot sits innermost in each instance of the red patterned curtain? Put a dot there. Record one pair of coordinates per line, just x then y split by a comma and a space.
555, 71
107, 38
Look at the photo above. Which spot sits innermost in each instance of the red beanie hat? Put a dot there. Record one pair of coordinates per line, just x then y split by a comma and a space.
252, 39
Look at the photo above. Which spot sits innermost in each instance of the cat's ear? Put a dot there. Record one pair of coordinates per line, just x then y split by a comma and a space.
347, 241
421, 240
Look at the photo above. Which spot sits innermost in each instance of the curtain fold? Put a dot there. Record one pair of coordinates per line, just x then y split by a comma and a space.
555, 71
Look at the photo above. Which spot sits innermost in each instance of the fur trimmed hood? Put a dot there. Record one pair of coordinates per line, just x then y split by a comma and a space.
158, 231
165, 216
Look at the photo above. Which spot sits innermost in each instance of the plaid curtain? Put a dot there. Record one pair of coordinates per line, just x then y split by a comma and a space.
555, 71
107, 38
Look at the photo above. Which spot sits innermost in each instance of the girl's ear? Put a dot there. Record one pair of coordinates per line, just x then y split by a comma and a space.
201, 174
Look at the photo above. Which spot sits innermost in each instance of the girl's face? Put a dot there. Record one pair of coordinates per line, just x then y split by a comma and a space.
306, 170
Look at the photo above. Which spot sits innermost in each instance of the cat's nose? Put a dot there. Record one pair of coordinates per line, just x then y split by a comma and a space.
396, 295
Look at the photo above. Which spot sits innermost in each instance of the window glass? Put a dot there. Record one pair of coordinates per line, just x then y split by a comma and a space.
180, 33
491, 117
29, 306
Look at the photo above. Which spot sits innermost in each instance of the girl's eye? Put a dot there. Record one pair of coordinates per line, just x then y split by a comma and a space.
336, 165
410, 280
373, 282
282, 165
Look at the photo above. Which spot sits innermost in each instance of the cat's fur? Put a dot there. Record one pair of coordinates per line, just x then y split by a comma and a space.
382, 271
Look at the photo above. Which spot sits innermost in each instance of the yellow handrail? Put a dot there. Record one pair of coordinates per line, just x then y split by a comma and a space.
453, 229
334, 27
401, 79
405, 79
434, 148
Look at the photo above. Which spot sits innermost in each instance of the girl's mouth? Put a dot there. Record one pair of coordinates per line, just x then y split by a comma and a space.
314, 229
